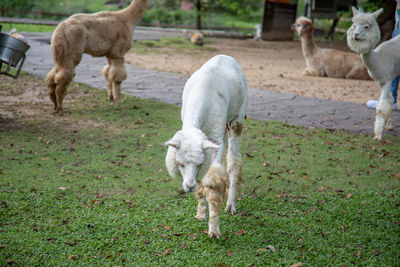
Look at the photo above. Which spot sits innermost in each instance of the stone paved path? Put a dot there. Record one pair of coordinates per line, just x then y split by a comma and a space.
167, 87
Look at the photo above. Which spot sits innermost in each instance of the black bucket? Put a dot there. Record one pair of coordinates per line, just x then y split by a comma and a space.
11, 49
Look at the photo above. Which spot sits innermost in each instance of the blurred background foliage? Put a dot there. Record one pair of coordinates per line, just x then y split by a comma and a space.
243, 13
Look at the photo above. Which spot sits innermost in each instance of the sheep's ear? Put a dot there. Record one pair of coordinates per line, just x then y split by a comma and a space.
377, 13
208, 144
174, 143
355, 11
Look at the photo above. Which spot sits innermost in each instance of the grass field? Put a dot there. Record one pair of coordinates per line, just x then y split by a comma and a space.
90, 188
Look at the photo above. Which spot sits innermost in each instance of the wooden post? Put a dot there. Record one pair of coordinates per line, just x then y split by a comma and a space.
198, 14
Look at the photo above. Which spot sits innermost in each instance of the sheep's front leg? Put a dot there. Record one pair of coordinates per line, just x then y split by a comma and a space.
234, 164
215, 184
383, 111
202, 203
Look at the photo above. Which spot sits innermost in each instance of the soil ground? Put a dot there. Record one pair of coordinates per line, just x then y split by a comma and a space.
274, 66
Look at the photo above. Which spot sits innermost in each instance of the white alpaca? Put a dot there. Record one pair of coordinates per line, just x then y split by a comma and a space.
324, 61
214, 103
383, 62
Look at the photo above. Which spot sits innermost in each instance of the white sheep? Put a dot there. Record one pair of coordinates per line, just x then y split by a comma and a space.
325, 61
214, 102
383, 62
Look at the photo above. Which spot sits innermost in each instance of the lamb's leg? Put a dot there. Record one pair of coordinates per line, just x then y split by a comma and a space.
234, 164
202, 203
215, 184
106, 71
117, 74
383, 111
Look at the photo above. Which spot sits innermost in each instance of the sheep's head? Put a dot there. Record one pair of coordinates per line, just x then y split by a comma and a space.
303, 26
186, 154
364, 34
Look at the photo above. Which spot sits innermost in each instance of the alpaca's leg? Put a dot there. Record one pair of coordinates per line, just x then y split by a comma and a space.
215, 202
353, 74
215, 184
202, 204
58, 80
234, 164
51, 86
117, 74
106, 71
383, 111
63, 79
312, 72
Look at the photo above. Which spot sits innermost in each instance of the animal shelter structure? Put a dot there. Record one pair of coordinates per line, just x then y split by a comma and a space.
12, 54
279, 15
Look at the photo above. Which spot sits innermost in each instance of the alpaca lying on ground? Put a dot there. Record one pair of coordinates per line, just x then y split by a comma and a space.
383, 62
214, 103
324, 61
100, 34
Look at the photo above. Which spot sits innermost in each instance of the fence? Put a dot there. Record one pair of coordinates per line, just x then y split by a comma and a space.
43, 14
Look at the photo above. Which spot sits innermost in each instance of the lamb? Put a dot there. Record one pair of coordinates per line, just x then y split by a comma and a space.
324, 61
214, 102
383, 62
107, 34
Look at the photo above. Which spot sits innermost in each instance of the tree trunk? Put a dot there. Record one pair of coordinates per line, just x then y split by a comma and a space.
198, 14
386, 21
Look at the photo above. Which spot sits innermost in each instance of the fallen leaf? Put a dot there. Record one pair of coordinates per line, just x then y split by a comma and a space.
193, 236
241, 232
71, 243
299, 264
167, 251
72, 257
62, 188
321, 189
262, 249
272, 248
230, 253
375, 252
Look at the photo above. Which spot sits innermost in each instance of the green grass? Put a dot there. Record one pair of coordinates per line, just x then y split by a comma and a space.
174, 43
320, 197
27, 27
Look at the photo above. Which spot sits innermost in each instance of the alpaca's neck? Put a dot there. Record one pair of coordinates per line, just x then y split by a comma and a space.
308, 45
134, 12
376, 66
369, 59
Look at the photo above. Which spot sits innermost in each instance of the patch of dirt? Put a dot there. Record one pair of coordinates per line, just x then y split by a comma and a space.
274, 66
26, 99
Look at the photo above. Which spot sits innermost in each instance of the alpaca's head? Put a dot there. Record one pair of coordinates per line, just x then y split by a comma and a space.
186, 153
303, 26
364, 34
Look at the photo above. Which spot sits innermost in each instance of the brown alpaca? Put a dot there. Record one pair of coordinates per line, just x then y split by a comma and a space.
327, 62
103, 34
